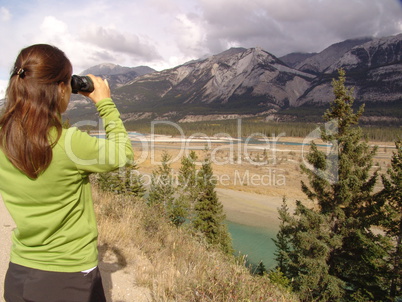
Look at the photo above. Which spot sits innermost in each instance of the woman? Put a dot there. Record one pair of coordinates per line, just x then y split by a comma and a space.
44, 182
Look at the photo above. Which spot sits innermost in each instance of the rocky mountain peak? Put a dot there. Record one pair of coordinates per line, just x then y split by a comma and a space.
373, 68
235, 73
294, 58
321, 61
373, 54
253, 81
109, 69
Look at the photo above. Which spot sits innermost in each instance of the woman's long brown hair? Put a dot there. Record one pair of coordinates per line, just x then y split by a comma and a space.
33, 105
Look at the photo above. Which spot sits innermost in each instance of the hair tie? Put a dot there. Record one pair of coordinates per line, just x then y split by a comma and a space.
21, 72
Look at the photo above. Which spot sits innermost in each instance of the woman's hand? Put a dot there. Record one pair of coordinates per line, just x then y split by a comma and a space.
101, 89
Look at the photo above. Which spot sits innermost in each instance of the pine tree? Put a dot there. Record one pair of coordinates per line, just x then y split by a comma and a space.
209, 216
136, 184
351, 207
391, 220
178, 211
123, 181
188, 185
311, 245
161, 192
334, 254
277, 277
282, 240
260, 270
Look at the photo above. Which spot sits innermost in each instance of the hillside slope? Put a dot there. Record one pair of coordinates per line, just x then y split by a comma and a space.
372, 68
167, 263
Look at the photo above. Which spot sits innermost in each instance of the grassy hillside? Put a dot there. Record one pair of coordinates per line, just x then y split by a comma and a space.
172, 263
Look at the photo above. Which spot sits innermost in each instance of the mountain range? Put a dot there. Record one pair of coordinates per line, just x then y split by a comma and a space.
252, 82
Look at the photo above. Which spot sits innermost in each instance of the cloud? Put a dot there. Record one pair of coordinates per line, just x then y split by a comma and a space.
111, 39
53, 30
5, 14
58, 33
288, 25
190, 34
166, 33
93, 44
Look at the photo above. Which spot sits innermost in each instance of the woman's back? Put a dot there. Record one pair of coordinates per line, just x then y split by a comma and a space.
44, 180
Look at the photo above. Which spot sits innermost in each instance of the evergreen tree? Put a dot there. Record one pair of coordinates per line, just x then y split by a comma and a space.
123, 181
314, 242
283, 240
391, 220
209, 216
334, 254
178, 211
347, 199
164, 193
188, 185
162, 189
260, 270
136, 183
277, 277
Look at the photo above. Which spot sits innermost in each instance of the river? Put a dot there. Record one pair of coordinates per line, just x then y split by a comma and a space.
254, 242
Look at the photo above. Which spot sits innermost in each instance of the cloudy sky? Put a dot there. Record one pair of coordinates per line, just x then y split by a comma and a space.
165, 33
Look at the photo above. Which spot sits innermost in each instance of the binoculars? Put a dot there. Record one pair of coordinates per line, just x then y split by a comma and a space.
81, 84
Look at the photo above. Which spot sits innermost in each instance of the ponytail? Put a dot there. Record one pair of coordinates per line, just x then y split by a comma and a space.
33, 107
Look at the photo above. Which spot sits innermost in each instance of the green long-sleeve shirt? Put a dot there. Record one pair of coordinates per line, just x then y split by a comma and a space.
55, 221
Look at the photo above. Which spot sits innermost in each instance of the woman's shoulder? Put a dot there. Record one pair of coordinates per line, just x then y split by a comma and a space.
77, 143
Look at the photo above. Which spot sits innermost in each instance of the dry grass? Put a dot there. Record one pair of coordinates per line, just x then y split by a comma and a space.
173, 263
176, 265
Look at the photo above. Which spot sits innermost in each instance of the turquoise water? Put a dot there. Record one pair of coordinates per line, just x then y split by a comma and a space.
255, 242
